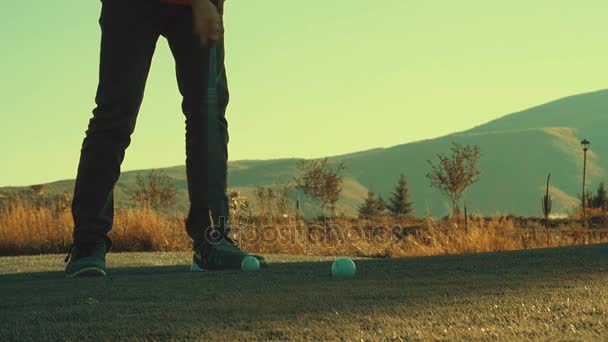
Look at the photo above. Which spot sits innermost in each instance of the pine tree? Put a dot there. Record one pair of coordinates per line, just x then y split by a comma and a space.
600, 200
400, 204
369, 208
381, 205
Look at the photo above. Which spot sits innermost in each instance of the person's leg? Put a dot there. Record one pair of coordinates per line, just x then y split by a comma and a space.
205, 99
202, 82
130, 30
217, 151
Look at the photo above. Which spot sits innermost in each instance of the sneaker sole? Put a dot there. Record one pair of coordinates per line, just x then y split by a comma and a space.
88, 272
196, 268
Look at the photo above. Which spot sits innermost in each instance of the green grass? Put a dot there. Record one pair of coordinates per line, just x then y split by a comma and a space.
539, 294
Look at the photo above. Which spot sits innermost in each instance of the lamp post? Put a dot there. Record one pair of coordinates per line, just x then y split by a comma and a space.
585, 144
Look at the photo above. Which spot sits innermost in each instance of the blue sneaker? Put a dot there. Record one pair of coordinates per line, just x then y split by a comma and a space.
222, 255
86, 260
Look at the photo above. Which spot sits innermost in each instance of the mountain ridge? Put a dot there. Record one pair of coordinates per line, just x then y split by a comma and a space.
518, 150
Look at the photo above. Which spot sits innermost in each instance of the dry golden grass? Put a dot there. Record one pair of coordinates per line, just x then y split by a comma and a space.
29, 230
32, 230
392, 238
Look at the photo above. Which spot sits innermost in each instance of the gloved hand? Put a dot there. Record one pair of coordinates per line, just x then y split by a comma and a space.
208, 20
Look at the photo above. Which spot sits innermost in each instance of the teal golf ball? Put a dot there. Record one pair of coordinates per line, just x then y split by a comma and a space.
343, 268
250, 264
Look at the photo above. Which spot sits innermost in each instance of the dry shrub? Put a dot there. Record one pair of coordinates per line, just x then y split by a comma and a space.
145, 230
386, 237
31, 230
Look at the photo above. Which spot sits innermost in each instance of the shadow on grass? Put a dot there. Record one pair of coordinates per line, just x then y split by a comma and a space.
513, 265
145, 296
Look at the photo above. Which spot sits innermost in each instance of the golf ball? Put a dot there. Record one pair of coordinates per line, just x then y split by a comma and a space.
250, 264
343, 268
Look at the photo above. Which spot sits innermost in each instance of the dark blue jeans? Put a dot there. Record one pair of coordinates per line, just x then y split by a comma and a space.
130, 30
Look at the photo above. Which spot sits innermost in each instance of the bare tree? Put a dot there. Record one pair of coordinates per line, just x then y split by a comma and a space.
36, 196
158, 194
240, 207
320, 181
283, 203
265, 198
455, 172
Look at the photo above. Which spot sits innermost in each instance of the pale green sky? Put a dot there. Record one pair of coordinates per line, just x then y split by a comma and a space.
307, 78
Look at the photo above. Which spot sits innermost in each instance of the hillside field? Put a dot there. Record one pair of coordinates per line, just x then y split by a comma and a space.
518, 150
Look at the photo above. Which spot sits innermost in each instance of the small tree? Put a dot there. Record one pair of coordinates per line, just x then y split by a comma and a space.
588, 200
320, 181
547, 202
454, 173
36, 197
240, 208
265, 198
600, 200
158, 194
381, 205
369, 208
399, 203
283, 202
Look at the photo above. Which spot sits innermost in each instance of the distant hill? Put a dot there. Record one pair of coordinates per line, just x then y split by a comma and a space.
518, 150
